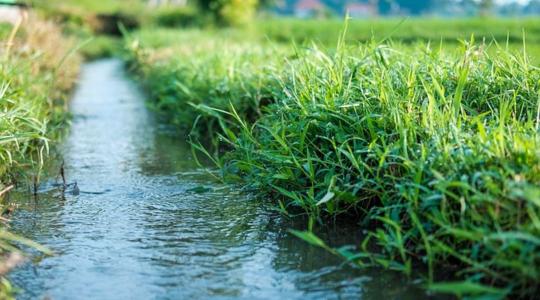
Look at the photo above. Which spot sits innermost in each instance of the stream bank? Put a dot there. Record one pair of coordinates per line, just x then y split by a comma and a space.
148, 223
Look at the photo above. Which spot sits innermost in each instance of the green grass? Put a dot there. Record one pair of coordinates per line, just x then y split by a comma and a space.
404, 30
36, 72
91, 6
101, 47
438, 157
35, 76
431, 148
205, 71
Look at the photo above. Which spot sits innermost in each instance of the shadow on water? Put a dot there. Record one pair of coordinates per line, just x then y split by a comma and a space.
137, 230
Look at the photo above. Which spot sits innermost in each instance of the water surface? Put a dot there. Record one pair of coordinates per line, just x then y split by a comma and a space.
148, 224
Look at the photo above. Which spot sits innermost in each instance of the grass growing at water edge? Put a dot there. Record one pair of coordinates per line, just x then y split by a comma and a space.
437, 156
432, 150
37, 70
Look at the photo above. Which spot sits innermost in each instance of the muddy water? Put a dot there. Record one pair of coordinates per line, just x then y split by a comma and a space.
148, 224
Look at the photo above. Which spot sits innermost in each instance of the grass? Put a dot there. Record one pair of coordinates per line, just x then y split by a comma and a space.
432, 149
91, 6
94, 24
35, 78
405, 30
101, 47
36, 72
209, 73
438, 158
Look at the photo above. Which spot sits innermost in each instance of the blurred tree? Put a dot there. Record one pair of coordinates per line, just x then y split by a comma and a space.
533, 7
486, 7
510, 9
385, 6
237, 12
231, 12
415, 7
207, 4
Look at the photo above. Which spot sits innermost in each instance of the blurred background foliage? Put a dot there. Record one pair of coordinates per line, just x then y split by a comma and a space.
241, 12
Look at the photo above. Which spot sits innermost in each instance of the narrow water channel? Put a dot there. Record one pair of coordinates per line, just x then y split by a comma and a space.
143, 228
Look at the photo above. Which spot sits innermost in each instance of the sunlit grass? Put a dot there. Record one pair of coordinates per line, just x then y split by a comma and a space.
36, 72
404, 29
34, 78
436, 155
432, 147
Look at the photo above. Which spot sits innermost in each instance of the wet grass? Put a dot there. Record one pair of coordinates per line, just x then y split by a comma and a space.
433, 148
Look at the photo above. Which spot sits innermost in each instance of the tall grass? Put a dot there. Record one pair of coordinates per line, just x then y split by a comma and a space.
36, 73
35, 77
198, 73
438, 157
433, 151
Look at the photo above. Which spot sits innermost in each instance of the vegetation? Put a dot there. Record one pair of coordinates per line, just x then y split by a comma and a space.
205, 73
431, 149
90, 6
35, 77
404, 30
427, 139
177, 17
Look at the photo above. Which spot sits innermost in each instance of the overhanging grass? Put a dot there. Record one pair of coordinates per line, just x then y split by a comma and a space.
433, 148
34, 78
36, 72
437, 156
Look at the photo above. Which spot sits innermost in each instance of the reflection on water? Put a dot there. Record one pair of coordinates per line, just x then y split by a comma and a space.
138, 231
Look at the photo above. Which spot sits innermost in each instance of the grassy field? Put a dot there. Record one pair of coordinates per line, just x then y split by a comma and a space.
431, 148
406, 30
36, 73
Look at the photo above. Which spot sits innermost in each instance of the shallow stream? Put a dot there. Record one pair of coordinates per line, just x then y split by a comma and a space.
149, 224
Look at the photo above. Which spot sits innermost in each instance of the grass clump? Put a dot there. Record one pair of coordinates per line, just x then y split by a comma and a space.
36, 73
35, 77
437, 157
188, 82
432, 151
177, 17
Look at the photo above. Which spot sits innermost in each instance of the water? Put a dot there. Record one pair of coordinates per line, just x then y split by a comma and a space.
138, 230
